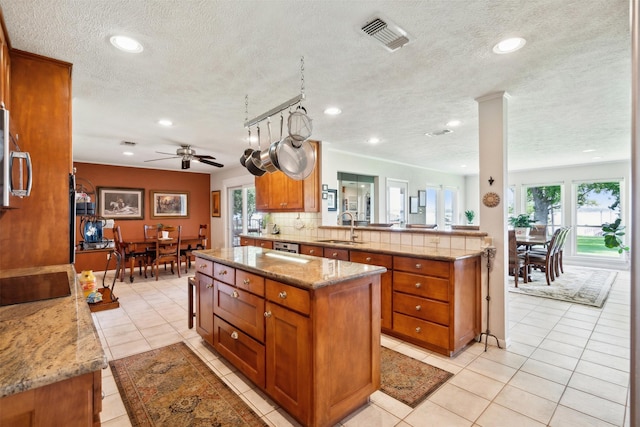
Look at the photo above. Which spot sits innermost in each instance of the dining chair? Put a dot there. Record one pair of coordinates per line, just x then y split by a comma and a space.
187, 252
168, 251
128, 255
545, 261
517, 260
563, 239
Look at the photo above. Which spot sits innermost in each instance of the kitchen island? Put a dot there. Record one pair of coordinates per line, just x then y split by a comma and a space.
50, 352
305, 330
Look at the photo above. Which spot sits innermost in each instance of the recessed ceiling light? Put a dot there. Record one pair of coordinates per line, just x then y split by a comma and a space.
332, 111
127, 153
590, 150
509, 45
453, 123
165, 122
373, 140
252, 139
126, 44
597, 158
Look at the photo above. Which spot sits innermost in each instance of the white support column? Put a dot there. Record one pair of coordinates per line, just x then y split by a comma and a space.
492, 118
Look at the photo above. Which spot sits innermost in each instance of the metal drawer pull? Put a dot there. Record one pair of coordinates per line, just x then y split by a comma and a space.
235, 294
418, 307
223, 272
418, 285
262, 244
311, 251
418, 329
418, 265
267, 314
209, 285
335, 254
282, 294
234, 335
246, 281
202, 266
368, 259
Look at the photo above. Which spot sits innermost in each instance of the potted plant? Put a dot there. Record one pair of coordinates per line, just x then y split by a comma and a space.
470, 216
522, 224
613, 233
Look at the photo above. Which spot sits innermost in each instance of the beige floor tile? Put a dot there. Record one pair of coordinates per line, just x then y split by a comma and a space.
391, 405
546, 371
440, 362
158, 341
499, 416
554, 358
129, 348
567, 417
111, 331
123, 338
459, 401
525, 338
279, 418
562, 348
592, 405
477, 384
521, 349
611, 349
370, 415
260, 402
121, 421
570, 331
428, 414
579, 324
537, 385
600, 388
619, 363
595, 370
526, 403
109, 386
112, 407
619, 333
157, 330
610, 339
492, 369
537, 331
504, 357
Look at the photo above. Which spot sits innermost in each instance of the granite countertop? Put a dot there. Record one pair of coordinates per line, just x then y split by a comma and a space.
47, 341
442, 254
303, 271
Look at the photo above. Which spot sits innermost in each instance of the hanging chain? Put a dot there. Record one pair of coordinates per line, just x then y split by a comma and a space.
246, 116
302, 76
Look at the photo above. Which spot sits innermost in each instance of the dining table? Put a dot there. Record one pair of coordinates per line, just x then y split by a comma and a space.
532, 240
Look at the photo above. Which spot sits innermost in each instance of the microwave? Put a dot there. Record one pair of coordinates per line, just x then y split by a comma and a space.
15, 165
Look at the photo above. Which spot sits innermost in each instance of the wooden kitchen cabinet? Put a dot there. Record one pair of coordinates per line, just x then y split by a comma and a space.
312, 250
386, 282
333, 253
204, 307
5, 71
276, 192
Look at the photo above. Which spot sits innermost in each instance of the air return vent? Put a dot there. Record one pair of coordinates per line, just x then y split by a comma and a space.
129, 143
387, 33
439, 132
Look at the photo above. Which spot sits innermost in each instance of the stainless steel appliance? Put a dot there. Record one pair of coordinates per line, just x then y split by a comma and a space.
286, 247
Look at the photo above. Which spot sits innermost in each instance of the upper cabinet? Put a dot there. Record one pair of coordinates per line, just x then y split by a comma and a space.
5, 69
276, 192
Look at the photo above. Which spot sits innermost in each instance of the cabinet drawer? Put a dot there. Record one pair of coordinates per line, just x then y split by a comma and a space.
266, 244
247, 241
288, 296
422, 308
311, 250
241, 350
422, 286
333, 253
250, 282
240, 308
421, 266
224, 273
204, 266
421, 330
371, 258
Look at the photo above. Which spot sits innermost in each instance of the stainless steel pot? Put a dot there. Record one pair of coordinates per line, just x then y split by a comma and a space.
266, 160
296, 159
253, 163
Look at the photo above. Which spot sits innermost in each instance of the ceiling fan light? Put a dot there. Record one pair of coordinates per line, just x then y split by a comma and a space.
186, 164
332, 111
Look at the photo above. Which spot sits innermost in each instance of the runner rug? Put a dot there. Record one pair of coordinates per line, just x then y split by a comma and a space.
172, 386
587, 286
407, 379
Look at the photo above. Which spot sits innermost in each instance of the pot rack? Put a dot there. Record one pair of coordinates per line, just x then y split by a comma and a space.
276, 110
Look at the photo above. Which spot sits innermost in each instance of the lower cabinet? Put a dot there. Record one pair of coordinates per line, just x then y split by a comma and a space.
204, 307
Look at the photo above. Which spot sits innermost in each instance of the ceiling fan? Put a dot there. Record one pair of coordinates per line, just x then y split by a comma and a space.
187, 154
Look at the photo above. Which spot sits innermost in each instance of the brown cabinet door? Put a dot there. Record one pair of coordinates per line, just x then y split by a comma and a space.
247, 241
386, 282
340, 254
285, 193
262, 192
288, 369
311, 250
204, 307
266, 244
240, 308
5, 69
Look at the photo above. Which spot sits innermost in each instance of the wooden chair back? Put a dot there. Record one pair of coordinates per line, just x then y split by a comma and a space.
538, 230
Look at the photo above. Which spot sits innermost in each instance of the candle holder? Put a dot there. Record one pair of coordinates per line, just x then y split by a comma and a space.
489, 253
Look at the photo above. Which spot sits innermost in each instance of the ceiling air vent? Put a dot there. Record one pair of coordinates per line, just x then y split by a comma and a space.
390, 35
439, 132
129, 143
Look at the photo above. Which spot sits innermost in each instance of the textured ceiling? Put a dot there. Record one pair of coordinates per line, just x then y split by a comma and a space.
569, 86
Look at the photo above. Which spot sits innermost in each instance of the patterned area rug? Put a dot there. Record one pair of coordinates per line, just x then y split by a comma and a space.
407, 379
578, 285
171, 386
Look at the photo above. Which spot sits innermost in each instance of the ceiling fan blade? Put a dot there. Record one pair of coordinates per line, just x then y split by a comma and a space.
204, 156
164, 158
168, 154
211, 163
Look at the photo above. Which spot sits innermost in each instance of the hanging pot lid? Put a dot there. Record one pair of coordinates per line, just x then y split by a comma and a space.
296, 162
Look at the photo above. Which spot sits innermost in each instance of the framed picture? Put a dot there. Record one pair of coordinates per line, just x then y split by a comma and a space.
325, 187
215, 203
332, 200
413, 205
422, 198
325, 195
121, 203
169, 204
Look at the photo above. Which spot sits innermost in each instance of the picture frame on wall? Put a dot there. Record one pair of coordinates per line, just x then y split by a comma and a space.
121, 203
169, 204
413, 205
215, 203
332, 200
422, 198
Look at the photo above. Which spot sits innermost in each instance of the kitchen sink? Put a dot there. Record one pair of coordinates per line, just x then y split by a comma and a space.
36, 287
338, 242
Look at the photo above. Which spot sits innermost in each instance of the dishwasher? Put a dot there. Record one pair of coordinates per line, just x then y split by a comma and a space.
286, 247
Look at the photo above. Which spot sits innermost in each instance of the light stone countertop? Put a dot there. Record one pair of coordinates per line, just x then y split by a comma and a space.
442, 254
47, 341
302, 271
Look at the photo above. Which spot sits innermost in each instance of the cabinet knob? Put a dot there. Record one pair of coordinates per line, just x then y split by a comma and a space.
311, 251
234, 335
246, 281
267, 314
418, 329
418, 266
235, 294
368, 259
282, 295
202, 266
335, 254
262, 244
209, 285
418, 285
418, 307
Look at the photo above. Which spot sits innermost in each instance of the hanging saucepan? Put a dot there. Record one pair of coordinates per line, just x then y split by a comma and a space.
253, 163
296, 159
247, 152
299, 125
265, 157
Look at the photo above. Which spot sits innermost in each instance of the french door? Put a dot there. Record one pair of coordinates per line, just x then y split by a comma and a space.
242, 209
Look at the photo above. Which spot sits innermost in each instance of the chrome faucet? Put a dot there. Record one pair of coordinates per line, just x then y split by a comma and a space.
352, 235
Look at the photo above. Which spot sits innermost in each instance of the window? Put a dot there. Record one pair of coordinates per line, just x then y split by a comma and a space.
397, 201
544, 205
596, 203
450, 206
244, 217
431, 208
